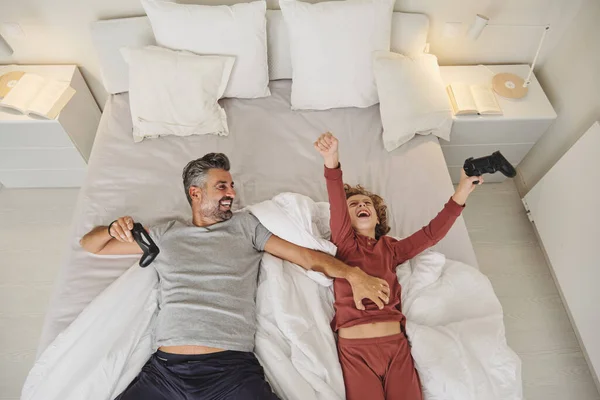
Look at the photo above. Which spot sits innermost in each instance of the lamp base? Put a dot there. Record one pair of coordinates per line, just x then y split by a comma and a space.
509, 85
8, 81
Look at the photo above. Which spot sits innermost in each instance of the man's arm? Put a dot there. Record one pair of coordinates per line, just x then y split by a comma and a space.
99, 241
363, 285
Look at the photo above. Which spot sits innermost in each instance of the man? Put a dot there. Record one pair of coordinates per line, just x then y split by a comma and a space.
208, 277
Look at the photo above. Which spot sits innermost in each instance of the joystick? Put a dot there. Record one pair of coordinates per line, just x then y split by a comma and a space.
146, 243
489, 165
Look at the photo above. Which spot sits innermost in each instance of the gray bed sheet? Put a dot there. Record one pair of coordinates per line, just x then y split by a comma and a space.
271, 151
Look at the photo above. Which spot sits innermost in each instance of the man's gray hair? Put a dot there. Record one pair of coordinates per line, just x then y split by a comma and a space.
196, 171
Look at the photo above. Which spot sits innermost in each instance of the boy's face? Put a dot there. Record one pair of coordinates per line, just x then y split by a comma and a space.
362, 212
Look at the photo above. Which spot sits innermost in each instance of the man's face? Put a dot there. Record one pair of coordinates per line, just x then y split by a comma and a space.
217, 196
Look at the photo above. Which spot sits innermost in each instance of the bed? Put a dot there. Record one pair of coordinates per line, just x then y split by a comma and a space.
96, 335
271, 151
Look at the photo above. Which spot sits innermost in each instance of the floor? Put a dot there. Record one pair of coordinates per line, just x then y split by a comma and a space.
537, 325
34, 225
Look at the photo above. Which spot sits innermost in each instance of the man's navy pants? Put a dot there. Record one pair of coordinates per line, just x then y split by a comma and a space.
217, 376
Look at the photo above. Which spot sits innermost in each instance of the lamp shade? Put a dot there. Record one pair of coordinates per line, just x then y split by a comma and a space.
475, 30
5, 49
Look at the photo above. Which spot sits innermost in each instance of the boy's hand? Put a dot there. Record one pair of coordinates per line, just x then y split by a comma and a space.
327, 146
465, 187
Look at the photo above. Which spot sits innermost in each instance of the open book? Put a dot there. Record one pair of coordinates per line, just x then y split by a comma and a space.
34, 94
473, 99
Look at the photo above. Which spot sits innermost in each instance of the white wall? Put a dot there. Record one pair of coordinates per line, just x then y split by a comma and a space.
570, 237
57, 31
571, 79
511, 37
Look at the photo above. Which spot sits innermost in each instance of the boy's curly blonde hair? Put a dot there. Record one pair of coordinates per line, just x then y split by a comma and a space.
382, 227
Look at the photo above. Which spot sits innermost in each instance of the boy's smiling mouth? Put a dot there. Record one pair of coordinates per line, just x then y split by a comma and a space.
363, 213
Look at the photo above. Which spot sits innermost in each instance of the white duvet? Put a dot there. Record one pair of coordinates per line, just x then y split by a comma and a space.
454, 323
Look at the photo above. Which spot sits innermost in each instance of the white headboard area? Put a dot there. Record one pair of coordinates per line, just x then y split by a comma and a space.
111, 35
409, 36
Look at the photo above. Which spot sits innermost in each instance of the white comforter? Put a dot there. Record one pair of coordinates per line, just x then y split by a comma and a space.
454, 323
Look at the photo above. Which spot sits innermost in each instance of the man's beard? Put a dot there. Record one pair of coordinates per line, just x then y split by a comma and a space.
212, 210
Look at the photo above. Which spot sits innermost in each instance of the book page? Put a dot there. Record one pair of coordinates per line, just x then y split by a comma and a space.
23, 93
60, 104
47, 97
485, 100
465, 104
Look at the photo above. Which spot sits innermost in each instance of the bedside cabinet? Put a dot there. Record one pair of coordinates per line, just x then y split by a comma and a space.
37, 152
514, 133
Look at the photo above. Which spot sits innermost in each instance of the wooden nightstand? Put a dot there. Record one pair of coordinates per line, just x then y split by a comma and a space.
36, 152
514, 133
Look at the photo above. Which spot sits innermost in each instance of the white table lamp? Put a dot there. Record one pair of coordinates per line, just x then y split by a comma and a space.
513, 86
507, 85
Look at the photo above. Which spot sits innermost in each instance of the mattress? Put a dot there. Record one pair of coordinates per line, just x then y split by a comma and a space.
271, 151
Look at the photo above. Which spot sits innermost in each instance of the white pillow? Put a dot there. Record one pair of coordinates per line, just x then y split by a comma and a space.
412, 98
331, 45
239, 30
176, 93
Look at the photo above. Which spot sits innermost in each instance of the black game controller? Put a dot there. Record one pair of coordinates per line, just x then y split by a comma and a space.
489, 165
146, 243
